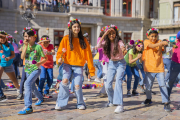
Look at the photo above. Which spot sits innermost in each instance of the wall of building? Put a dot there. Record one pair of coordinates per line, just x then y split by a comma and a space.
165, 10
166, 33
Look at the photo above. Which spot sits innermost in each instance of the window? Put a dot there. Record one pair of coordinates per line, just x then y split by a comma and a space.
58, 35
127, 37
127, 8
177, 11
106, 4
151, 8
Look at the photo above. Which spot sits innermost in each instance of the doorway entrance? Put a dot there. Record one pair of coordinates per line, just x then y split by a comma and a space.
127, 37
86, 30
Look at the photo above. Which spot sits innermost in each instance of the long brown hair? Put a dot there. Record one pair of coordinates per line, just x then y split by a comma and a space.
107, 46
80, 36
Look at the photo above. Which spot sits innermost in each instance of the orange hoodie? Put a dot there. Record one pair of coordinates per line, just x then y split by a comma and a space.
77, 56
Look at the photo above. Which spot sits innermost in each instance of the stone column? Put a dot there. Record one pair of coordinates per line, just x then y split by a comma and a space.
70, 2
117, 7
99, 3
99, 26
138, 8
133, 8
121, 7
95, 3
112, 7
75, 1
143, 6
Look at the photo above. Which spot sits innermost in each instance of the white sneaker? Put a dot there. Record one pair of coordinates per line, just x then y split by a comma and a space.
72, 95
57, 107
82, 107
89, 80
110, 105
84, 98
96, 80
119, 109
18, 91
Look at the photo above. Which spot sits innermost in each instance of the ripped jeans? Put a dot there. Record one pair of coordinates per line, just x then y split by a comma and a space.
149, 79
63, 95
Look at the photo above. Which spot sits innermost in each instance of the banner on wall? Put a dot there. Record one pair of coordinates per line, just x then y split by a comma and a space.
172, 38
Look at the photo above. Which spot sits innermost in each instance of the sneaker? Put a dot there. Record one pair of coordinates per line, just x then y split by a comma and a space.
19, 77
128, 93
3, 98
47, 96
142, 88
72, 95
82, 107
25, 111
57, 107
97, 80
135, 93
147, 102
84, 98
167, 107
89, 80
102, 95
18, 91
119, 109
20, 97
39, 102
110, 105
124, 81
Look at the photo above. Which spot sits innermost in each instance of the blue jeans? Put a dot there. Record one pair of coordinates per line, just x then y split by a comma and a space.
149, 79
124, 76
23, 79
16, 60
141, 68
167, 63
115, 96
2, 84
72, 82
46, 73
174, 71
30, 87
132, 71
97, 64
63, 95
1, 91
178, 79
60, 76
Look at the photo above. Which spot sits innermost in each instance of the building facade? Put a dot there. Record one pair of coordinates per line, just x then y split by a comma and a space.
168, 21
133, 18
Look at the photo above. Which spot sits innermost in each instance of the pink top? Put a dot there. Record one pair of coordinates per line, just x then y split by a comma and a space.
16, 50
102, 56
176, 53
118, 56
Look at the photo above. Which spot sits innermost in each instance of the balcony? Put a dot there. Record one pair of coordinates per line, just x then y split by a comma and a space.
153, 15
166, 23
82, 9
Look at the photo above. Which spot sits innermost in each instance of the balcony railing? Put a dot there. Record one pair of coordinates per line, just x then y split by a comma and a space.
86, 9
165, 22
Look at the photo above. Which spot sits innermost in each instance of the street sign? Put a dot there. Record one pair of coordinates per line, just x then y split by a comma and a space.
172, 38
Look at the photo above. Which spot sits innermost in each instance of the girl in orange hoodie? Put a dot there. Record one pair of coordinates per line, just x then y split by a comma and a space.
77, 53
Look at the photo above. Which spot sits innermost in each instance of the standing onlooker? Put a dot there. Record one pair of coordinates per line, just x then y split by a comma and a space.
78, 2
54, 5
81, 2
59, 5
42, 4
38, 4
50, 6
67, 5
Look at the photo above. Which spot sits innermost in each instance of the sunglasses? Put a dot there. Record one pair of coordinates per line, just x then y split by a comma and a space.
140, 45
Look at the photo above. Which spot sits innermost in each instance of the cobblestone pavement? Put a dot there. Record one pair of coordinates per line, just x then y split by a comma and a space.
96, 107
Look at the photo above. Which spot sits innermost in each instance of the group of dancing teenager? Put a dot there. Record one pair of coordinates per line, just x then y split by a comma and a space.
74, 51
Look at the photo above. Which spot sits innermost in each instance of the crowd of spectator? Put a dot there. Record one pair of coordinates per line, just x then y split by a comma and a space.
57, 5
